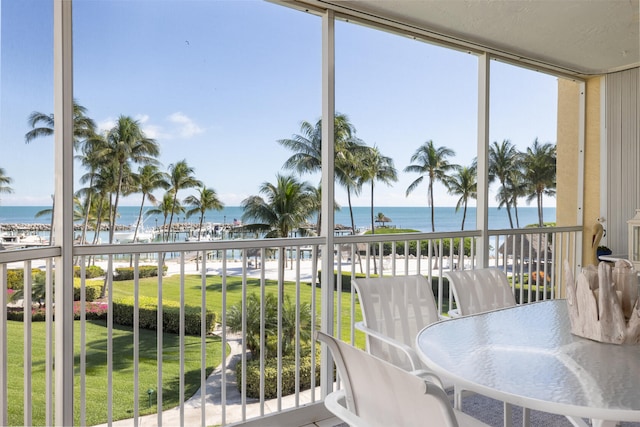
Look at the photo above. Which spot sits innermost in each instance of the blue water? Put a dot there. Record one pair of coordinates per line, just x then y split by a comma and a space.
416, 218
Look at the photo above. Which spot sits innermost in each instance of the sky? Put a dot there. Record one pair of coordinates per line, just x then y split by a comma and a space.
218, 83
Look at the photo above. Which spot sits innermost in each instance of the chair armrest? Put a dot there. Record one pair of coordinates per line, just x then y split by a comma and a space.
335, 402
430, 376
407, 350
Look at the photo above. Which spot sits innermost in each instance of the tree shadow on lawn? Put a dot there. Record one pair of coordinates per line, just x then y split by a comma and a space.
123, 345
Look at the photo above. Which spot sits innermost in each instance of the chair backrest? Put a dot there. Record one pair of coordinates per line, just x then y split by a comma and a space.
479, 290
384, 395
398, 307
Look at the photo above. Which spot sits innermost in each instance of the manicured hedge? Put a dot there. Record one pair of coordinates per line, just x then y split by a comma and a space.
91, 272
15, 277
126, 273
387, 247
92, 291
148, 315
271, 376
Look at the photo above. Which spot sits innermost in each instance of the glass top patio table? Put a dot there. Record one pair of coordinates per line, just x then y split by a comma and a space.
527, 356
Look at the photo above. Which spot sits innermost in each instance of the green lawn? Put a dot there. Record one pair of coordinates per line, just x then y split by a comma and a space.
193, 287
96, 378
123, 350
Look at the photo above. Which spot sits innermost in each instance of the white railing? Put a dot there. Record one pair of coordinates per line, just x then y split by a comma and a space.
251, 265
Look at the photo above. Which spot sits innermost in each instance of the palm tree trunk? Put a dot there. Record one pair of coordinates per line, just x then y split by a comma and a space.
53, 210
464, 216
199, 234
509, 214
353, 223
433, 226
85, 225
173, 208
433, 223
373, 231
540, 215
114, 212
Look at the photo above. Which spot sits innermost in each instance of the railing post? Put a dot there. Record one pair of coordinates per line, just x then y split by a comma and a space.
63, 209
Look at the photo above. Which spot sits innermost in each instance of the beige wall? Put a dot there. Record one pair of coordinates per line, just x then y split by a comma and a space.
567, 209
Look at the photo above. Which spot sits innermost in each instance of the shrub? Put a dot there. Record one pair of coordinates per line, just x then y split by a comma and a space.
148, 315
15, 281
92, 290
93, 310
91, 272
144, 271
15, 277
271, 376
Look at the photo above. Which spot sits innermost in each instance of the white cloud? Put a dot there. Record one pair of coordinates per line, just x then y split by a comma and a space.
141, 118
106, 124
186, 126
180, 126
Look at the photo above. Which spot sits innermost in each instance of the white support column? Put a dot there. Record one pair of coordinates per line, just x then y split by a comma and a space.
482, 217
328, 182
63, 209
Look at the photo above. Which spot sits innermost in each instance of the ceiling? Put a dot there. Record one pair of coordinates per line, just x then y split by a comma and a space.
583, 37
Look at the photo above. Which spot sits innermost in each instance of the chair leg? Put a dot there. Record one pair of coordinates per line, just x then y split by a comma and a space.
457, 398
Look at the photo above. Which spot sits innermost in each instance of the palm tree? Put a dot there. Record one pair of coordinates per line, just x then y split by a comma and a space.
5, 188
207, 199
431, 162
149, 179
376, 167
252, 324
105, 183
502, 159
464, 184
307, 148
94, 163
4, 182
165, 208
540, 173
517, 187
296, 322
42, 125
286, 207
127, 144
180, 177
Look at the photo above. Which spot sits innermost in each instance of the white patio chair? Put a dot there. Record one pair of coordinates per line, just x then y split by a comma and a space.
480, 290
394, 310
377, 393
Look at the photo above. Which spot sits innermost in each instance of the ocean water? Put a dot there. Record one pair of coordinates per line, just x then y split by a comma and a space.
416, 218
